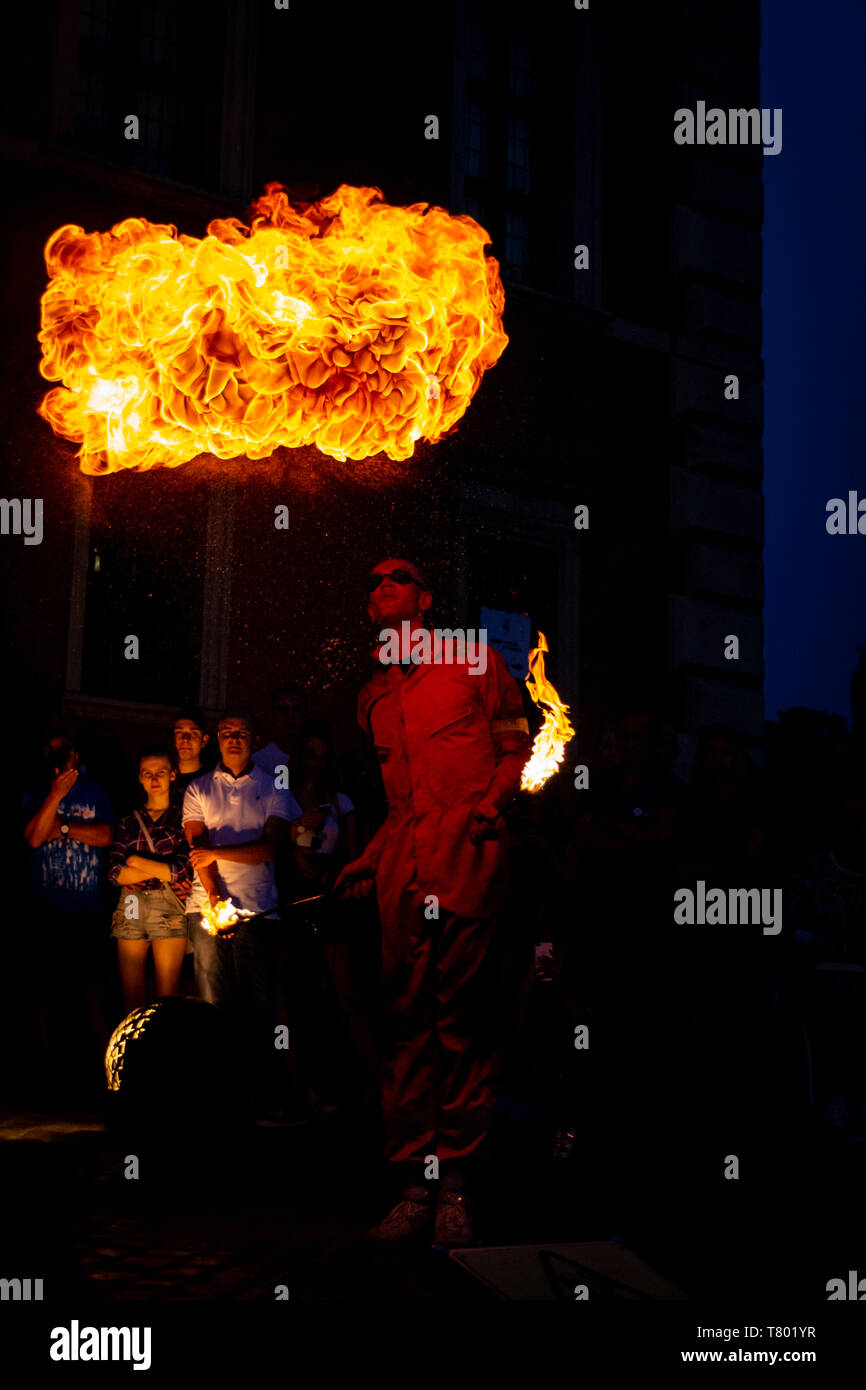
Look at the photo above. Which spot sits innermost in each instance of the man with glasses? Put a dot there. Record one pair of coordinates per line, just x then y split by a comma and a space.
235, 819
452, 740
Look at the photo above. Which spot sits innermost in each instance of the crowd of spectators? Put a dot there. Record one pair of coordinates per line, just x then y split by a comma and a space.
618, 1016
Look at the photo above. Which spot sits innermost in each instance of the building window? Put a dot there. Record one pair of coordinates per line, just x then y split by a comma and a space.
128, 64
477, 48
518, 155
516, 246
159, 38
476, 208
519, 70
94, 23
476, 140
91, 109
158, 115
144, 580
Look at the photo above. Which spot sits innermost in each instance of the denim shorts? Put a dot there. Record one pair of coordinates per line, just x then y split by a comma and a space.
160, 916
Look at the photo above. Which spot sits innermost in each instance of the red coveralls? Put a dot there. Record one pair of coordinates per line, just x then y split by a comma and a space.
446, 739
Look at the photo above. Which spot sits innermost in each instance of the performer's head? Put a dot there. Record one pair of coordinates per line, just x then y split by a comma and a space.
398, 593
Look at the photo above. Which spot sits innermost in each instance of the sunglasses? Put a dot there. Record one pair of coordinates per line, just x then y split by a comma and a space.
399, 577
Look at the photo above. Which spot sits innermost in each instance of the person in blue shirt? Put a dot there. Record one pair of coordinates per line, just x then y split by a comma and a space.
68, 824
69, 827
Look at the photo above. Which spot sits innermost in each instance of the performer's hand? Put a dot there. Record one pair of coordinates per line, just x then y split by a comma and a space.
201, 858
356, 880
487, 823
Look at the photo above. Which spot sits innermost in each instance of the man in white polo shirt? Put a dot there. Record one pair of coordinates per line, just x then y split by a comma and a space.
235, 819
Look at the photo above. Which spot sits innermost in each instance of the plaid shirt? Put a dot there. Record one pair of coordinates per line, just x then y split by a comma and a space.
169, 842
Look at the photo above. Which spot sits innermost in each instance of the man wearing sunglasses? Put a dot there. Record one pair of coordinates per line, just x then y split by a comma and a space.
452, 741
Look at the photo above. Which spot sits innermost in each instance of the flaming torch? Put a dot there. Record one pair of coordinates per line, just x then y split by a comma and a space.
549, 745
223, 918
347, 324
219, 918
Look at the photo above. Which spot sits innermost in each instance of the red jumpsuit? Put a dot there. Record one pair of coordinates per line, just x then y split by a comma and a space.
447, 739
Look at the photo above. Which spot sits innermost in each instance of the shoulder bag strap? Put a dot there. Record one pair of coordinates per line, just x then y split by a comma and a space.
138, 817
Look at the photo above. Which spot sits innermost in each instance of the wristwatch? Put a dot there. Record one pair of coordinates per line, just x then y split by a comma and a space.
64, 830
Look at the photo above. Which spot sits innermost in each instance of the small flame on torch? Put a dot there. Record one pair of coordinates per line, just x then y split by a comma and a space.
222, 914
555, 732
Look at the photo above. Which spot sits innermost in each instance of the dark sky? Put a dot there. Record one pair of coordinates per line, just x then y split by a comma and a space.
814, 304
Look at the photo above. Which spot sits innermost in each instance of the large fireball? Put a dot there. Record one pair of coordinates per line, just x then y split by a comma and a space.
348, 324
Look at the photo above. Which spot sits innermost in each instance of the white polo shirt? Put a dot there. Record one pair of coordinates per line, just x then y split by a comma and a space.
234, 811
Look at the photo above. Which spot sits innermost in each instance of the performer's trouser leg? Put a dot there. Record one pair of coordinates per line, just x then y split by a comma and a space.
440, 984
408, 1071
469, 1019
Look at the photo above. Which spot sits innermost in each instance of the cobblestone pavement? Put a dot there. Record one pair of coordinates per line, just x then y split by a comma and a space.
291, 1219
293, 1209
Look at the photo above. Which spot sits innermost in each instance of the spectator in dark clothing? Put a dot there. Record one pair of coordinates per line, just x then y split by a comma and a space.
324, 838
721, 840
68, 823
828, 914
618, 865
623, 829
288, 712
722, 828
191, 737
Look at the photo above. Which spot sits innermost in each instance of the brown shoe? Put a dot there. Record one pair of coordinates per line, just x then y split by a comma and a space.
453, 1226
410, 1217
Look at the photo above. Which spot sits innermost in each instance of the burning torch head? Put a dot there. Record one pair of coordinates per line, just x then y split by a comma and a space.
223, 918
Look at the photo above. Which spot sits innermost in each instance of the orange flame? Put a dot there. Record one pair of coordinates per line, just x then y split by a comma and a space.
222, 914
549, 745
347, 323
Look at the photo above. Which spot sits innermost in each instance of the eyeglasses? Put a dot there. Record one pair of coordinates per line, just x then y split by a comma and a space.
399, 577
235, 733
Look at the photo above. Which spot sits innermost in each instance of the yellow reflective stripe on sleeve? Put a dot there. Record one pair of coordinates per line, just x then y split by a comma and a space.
500, 725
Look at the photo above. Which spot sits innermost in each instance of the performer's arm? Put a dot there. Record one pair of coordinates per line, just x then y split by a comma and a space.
510, 730
357, 878
512, 752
